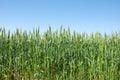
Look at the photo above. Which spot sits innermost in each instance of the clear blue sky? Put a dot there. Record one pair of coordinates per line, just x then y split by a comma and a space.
80, 15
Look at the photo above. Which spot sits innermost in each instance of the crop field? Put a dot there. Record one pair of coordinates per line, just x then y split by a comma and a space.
59, 55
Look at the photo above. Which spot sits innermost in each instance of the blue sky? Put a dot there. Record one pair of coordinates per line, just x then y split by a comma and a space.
80, 15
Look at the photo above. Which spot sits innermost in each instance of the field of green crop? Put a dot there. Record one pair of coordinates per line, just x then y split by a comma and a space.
59, 55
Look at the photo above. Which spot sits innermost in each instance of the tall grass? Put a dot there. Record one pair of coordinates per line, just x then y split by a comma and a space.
59, 55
